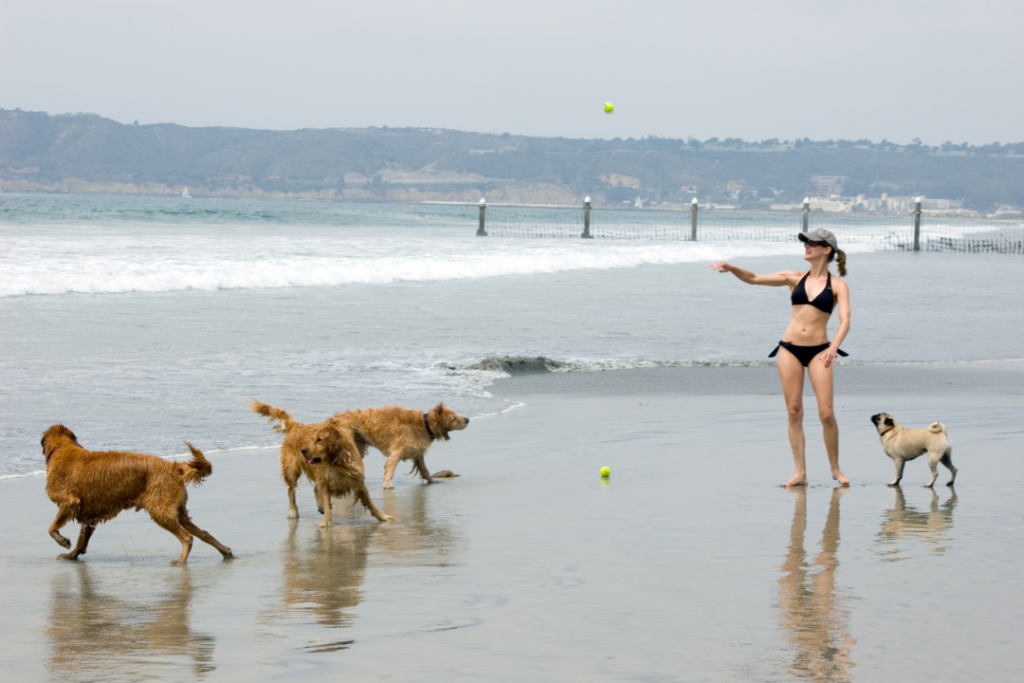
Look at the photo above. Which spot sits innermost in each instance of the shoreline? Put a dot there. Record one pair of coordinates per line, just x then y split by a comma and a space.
896, 378
357, 194
905, 379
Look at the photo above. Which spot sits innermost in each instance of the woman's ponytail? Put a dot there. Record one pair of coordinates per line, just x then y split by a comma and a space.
840, 257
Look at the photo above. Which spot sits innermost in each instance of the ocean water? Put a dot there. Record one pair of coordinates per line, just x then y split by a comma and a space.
143, 322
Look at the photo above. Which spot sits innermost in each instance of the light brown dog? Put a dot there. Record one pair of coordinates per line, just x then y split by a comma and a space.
400, 434
91, 487
326, 455
902, 444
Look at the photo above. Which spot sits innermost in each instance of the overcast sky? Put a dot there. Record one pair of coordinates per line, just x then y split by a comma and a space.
754, 69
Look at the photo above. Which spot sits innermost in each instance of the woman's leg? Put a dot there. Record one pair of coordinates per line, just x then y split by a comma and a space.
791, 373
821, 381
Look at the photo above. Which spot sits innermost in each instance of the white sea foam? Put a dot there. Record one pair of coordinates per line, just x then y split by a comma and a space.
19, 475
165, 258
165, 264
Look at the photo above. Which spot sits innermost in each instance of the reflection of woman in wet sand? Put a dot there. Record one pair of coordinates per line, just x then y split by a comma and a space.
805, 344
809, 612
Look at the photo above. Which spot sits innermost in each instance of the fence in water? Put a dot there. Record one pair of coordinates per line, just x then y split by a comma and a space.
914, 231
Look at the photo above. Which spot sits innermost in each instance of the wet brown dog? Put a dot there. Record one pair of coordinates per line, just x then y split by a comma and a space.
91, 487
326, 455
400, 434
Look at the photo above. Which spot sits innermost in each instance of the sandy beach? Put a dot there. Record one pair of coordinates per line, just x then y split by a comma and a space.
688, 564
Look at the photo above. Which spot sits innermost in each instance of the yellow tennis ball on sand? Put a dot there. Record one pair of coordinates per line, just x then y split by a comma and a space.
609, 107
605, 472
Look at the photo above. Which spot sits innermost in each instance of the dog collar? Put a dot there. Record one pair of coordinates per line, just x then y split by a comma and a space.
426, 423
50, 454
886, 431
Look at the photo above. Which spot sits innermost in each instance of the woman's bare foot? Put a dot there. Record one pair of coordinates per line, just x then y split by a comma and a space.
841, 478
797, 480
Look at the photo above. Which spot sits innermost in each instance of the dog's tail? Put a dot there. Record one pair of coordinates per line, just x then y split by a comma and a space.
937, 427
287, 422
197, 469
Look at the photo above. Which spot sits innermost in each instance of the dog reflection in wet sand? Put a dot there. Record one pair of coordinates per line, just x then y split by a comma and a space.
401, 434
98, 631
323, 573
807, 597
327, 456
92, 487
932, 527
323, 576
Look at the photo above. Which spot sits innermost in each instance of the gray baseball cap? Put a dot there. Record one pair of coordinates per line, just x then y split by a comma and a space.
820, 235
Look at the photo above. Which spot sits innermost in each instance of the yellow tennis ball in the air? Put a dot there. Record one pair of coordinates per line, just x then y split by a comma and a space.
605, 472
609, 107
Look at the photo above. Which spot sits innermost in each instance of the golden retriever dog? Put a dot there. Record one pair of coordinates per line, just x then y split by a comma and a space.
902, 444
326, 455
91, 487
400, 434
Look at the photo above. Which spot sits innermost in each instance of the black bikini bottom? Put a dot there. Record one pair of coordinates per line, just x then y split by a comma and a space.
804, 354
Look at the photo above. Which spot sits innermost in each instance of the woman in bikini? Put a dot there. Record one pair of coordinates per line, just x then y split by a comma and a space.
815, 294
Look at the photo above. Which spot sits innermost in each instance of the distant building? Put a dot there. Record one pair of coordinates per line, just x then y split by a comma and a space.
897, 204
941, 204
829, 184
1007, 211
830, 205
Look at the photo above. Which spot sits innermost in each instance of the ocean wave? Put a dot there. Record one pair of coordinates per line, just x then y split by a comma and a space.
503, 411
19, 475
47, 269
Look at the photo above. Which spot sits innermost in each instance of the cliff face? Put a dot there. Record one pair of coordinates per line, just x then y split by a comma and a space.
87, 153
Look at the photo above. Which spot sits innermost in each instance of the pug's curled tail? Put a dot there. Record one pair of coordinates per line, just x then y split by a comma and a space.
285, 420
937, 427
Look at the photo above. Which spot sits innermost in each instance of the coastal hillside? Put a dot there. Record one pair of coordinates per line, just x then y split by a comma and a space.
89, 153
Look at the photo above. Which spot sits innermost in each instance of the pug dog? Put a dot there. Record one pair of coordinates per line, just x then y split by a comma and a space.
903, 444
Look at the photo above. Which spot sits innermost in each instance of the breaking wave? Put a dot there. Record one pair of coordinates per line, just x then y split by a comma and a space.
177, 263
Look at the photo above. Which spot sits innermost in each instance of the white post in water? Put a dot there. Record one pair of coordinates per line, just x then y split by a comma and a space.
917, 224
480, 232
586, 220
807, 211
693, 220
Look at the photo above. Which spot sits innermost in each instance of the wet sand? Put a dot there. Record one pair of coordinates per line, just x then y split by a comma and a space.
689, 564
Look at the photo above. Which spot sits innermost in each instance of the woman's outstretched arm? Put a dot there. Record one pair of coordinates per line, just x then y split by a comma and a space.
783, 277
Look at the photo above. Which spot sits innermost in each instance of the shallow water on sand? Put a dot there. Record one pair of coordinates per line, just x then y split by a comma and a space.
687, 564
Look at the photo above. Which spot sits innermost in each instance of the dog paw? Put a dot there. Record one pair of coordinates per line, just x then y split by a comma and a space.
175, 563
324, 523
388, 485
67, 556
64, 543
386, 518
294, 514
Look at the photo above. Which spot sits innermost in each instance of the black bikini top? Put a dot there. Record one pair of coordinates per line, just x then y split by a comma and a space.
825, 301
